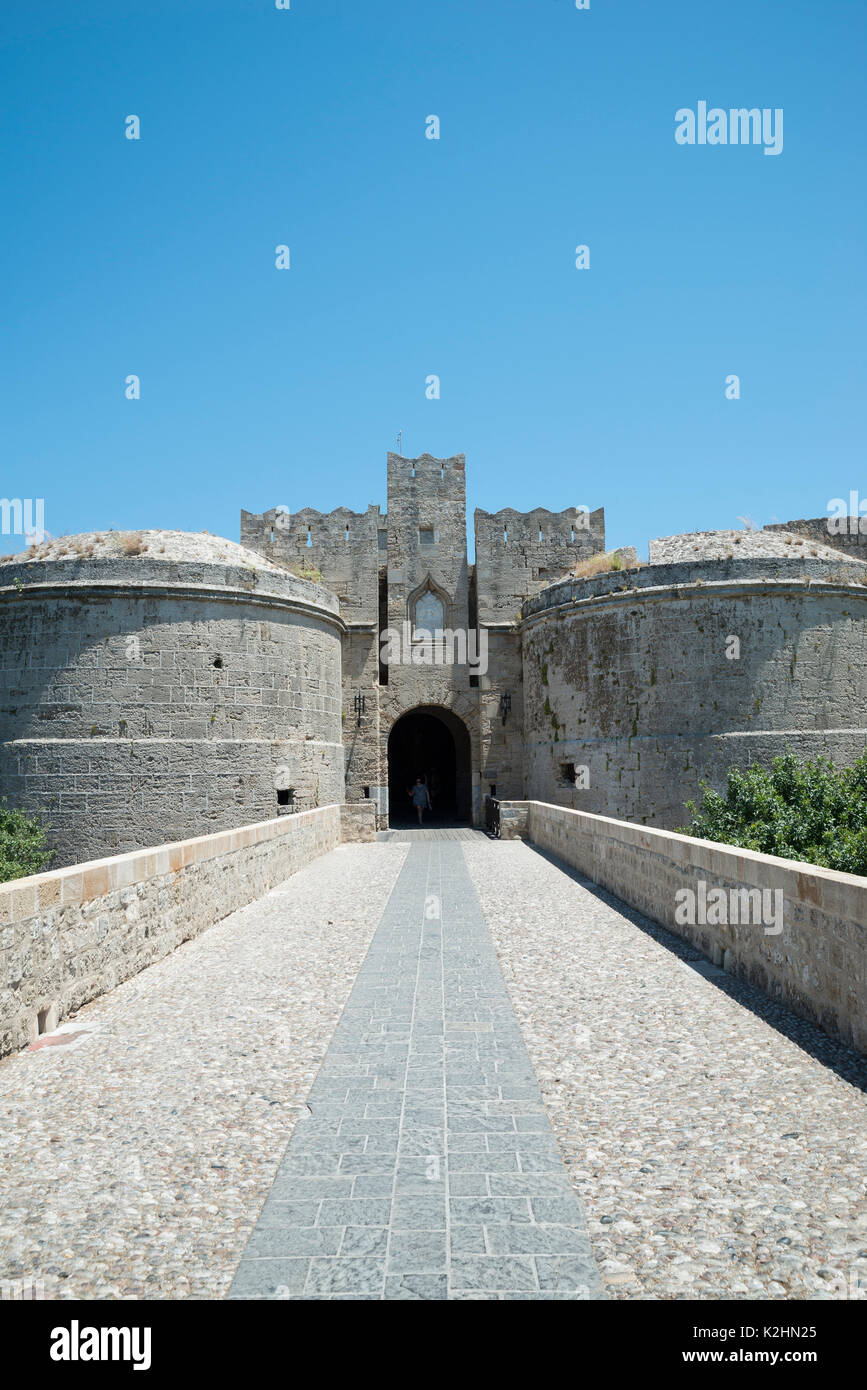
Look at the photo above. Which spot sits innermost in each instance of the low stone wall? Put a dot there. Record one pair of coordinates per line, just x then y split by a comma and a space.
805, 938
71, 934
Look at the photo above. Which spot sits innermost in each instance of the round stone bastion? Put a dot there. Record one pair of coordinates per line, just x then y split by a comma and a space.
158, 685
640, 683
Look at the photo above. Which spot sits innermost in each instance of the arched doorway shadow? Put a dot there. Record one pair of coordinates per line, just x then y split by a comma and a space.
432, 743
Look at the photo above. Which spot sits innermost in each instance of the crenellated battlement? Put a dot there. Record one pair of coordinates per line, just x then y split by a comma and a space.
519, 553
308, 526
538, 525
426, 468
422, 537
341, 546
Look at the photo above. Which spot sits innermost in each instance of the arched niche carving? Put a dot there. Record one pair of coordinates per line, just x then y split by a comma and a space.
428, 607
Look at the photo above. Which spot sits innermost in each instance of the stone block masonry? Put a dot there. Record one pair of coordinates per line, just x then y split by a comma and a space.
158, 695
850, 538
519, 553
71, 934
817, 964
655, 679
343, 546
426, 1167
386, 568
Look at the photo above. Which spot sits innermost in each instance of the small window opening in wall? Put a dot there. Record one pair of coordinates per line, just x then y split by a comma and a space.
346, 537
218, 662
42, 1021
412, 471
443, 471
474, 681
309, 536
540, 533
568, 773
426, 535
272, 535
365, 791
493, 789
284, 796
572, 534
505, 535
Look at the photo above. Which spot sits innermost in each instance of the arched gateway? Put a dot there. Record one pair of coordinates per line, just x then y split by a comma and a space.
433, 743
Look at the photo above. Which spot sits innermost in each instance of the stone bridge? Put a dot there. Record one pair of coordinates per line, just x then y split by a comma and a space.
425, 1065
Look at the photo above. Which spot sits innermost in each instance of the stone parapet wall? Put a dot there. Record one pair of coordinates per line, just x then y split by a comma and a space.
726, 545
343, 546
851, 541
71, 934
518, 553
817, 963
657, 578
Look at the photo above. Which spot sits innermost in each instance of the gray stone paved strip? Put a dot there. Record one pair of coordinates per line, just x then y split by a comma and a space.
425, 1102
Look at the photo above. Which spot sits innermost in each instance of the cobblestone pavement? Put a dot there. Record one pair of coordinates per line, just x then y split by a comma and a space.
718, 1142
427, 1168
134, 1160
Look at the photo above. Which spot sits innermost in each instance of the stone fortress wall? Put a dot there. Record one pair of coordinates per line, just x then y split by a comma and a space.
349, 551
156, 685
379, 565
161, 685
519, 553
633, 676
346, 548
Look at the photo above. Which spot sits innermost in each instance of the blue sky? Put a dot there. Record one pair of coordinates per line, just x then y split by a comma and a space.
412, 257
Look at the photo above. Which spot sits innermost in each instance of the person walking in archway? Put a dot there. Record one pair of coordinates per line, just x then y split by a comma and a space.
420, 798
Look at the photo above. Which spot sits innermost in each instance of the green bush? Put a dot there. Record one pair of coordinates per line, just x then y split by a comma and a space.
22, 844
797, 809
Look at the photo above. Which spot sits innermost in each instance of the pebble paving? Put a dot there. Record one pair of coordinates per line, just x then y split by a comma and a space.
427, 1167
718, 1142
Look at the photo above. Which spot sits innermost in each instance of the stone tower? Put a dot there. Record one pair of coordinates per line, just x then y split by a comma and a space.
455, 722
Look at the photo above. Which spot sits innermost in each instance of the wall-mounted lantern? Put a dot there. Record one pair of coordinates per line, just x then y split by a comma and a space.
359, 704
505, 704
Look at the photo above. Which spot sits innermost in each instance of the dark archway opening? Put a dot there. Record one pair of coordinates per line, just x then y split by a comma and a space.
431, 743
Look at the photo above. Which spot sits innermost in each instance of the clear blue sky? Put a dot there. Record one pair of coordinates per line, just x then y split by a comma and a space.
412, 257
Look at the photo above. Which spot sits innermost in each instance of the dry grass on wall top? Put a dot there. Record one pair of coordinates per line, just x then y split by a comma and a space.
601, 564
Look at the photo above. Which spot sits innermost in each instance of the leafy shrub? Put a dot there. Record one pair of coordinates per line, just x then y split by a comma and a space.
797, 809
22, 844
